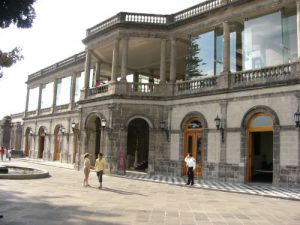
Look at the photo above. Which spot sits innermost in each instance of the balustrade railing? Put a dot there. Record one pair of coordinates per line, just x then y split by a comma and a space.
198, 9
154, 19
268, 73
45, 110
30, 113
141, 87
62, 107
97, 90
73, 59
196, 85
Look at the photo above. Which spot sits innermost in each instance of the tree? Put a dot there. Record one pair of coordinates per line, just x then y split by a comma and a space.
18, 12
192, 60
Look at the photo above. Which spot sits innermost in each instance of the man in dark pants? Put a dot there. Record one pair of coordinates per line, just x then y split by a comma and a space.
191, 165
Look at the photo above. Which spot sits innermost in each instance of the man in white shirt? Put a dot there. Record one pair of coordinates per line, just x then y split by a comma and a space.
191, 165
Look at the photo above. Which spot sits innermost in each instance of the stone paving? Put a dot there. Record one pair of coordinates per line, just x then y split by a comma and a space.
61, 200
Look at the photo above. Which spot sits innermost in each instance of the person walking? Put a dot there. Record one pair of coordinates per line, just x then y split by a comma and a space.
99, 168
9, 154
2, 152
86, 170
191, 165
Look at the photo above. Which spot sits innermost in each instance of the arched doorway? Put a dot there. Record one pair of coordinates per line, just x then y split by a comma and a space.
137, 145
58, 141
93, 130
28, 132
259, 167
41, 142
194, 143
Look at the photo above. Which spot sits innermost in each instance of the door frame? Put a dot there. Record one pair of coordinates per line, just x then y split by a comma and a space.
250, 131
195, 133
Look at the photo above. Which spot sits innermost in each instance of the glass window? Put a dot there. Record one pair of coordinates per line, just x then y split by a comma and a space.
262, 45
261, 120
63, 91
78, 86
194, 124
289, 24
206, 53
47, 96
33, 99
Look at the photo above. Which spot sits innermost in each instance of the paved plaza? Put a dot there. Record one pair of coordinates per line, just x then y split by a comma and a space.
61, 199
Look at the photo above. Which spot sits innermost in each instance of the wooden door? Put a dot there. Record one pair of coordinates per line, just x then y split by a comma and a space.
194, 144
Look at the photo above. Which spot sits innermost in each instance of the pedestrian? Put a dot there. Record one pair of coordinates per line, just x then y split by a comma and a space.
2, 152
191, 165
99, 168
9, 154
86, 170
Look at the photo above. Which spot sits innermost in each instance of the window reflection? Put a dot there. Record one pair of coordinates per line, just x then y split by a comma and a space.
262, 120
47, 96
78, 86
63, 91
33, 99
194, 124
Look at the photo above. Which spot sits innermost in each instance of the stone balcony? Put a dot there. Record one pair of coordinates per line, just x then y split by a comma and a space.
244, 80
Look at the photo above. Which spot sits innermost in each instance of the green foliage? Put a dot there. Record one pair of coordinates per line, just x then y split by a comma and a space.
193, 63
18, 12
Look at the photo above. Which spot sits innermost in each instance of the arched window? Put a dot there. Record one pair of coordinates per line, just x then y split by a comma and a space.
260, 121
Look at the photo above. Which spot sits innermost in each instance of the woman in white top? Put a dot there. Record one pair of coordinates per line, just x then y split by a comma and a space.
86, 169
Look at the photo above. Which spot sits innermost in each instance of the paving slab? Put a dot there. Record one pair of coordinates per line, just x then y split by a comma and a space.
61, 199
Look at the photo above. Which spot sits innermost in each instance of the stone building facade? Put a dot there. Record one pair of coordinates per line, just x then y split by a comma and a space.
132, 95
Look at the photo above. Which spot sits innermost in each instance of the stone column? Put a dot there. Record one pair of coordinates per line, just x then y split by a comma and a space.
173, 61
124, 59
54, 94
115, 60
27, 100
40, 99
87, 72
226, 47
298, 27
72, 91
97, 72
163, 61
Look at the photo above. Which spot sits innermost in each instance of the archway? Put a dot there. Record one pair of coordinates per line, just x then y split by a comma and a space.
41, 142
259, 166
58, 141
137, 145
93, 130
194, 143
28, 132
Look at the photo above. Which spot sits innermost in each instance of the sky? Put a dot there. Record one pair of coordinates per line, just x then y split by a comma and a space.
57, 33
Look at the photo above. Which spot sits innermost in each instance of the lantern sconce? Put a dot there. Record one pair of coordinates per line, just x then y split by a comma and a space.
297, 118
220, 124
62, 130
163, 127
106, 128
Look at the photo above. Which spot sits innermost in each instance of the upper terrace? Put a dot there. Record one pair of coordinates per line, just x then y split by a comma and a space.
121, 46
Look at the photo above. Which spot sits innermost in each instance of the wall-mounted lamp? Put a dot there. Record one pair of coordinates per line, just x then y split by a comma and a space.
163, 126
62, 130
107, 129
297, 118
220, 124
75, 126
